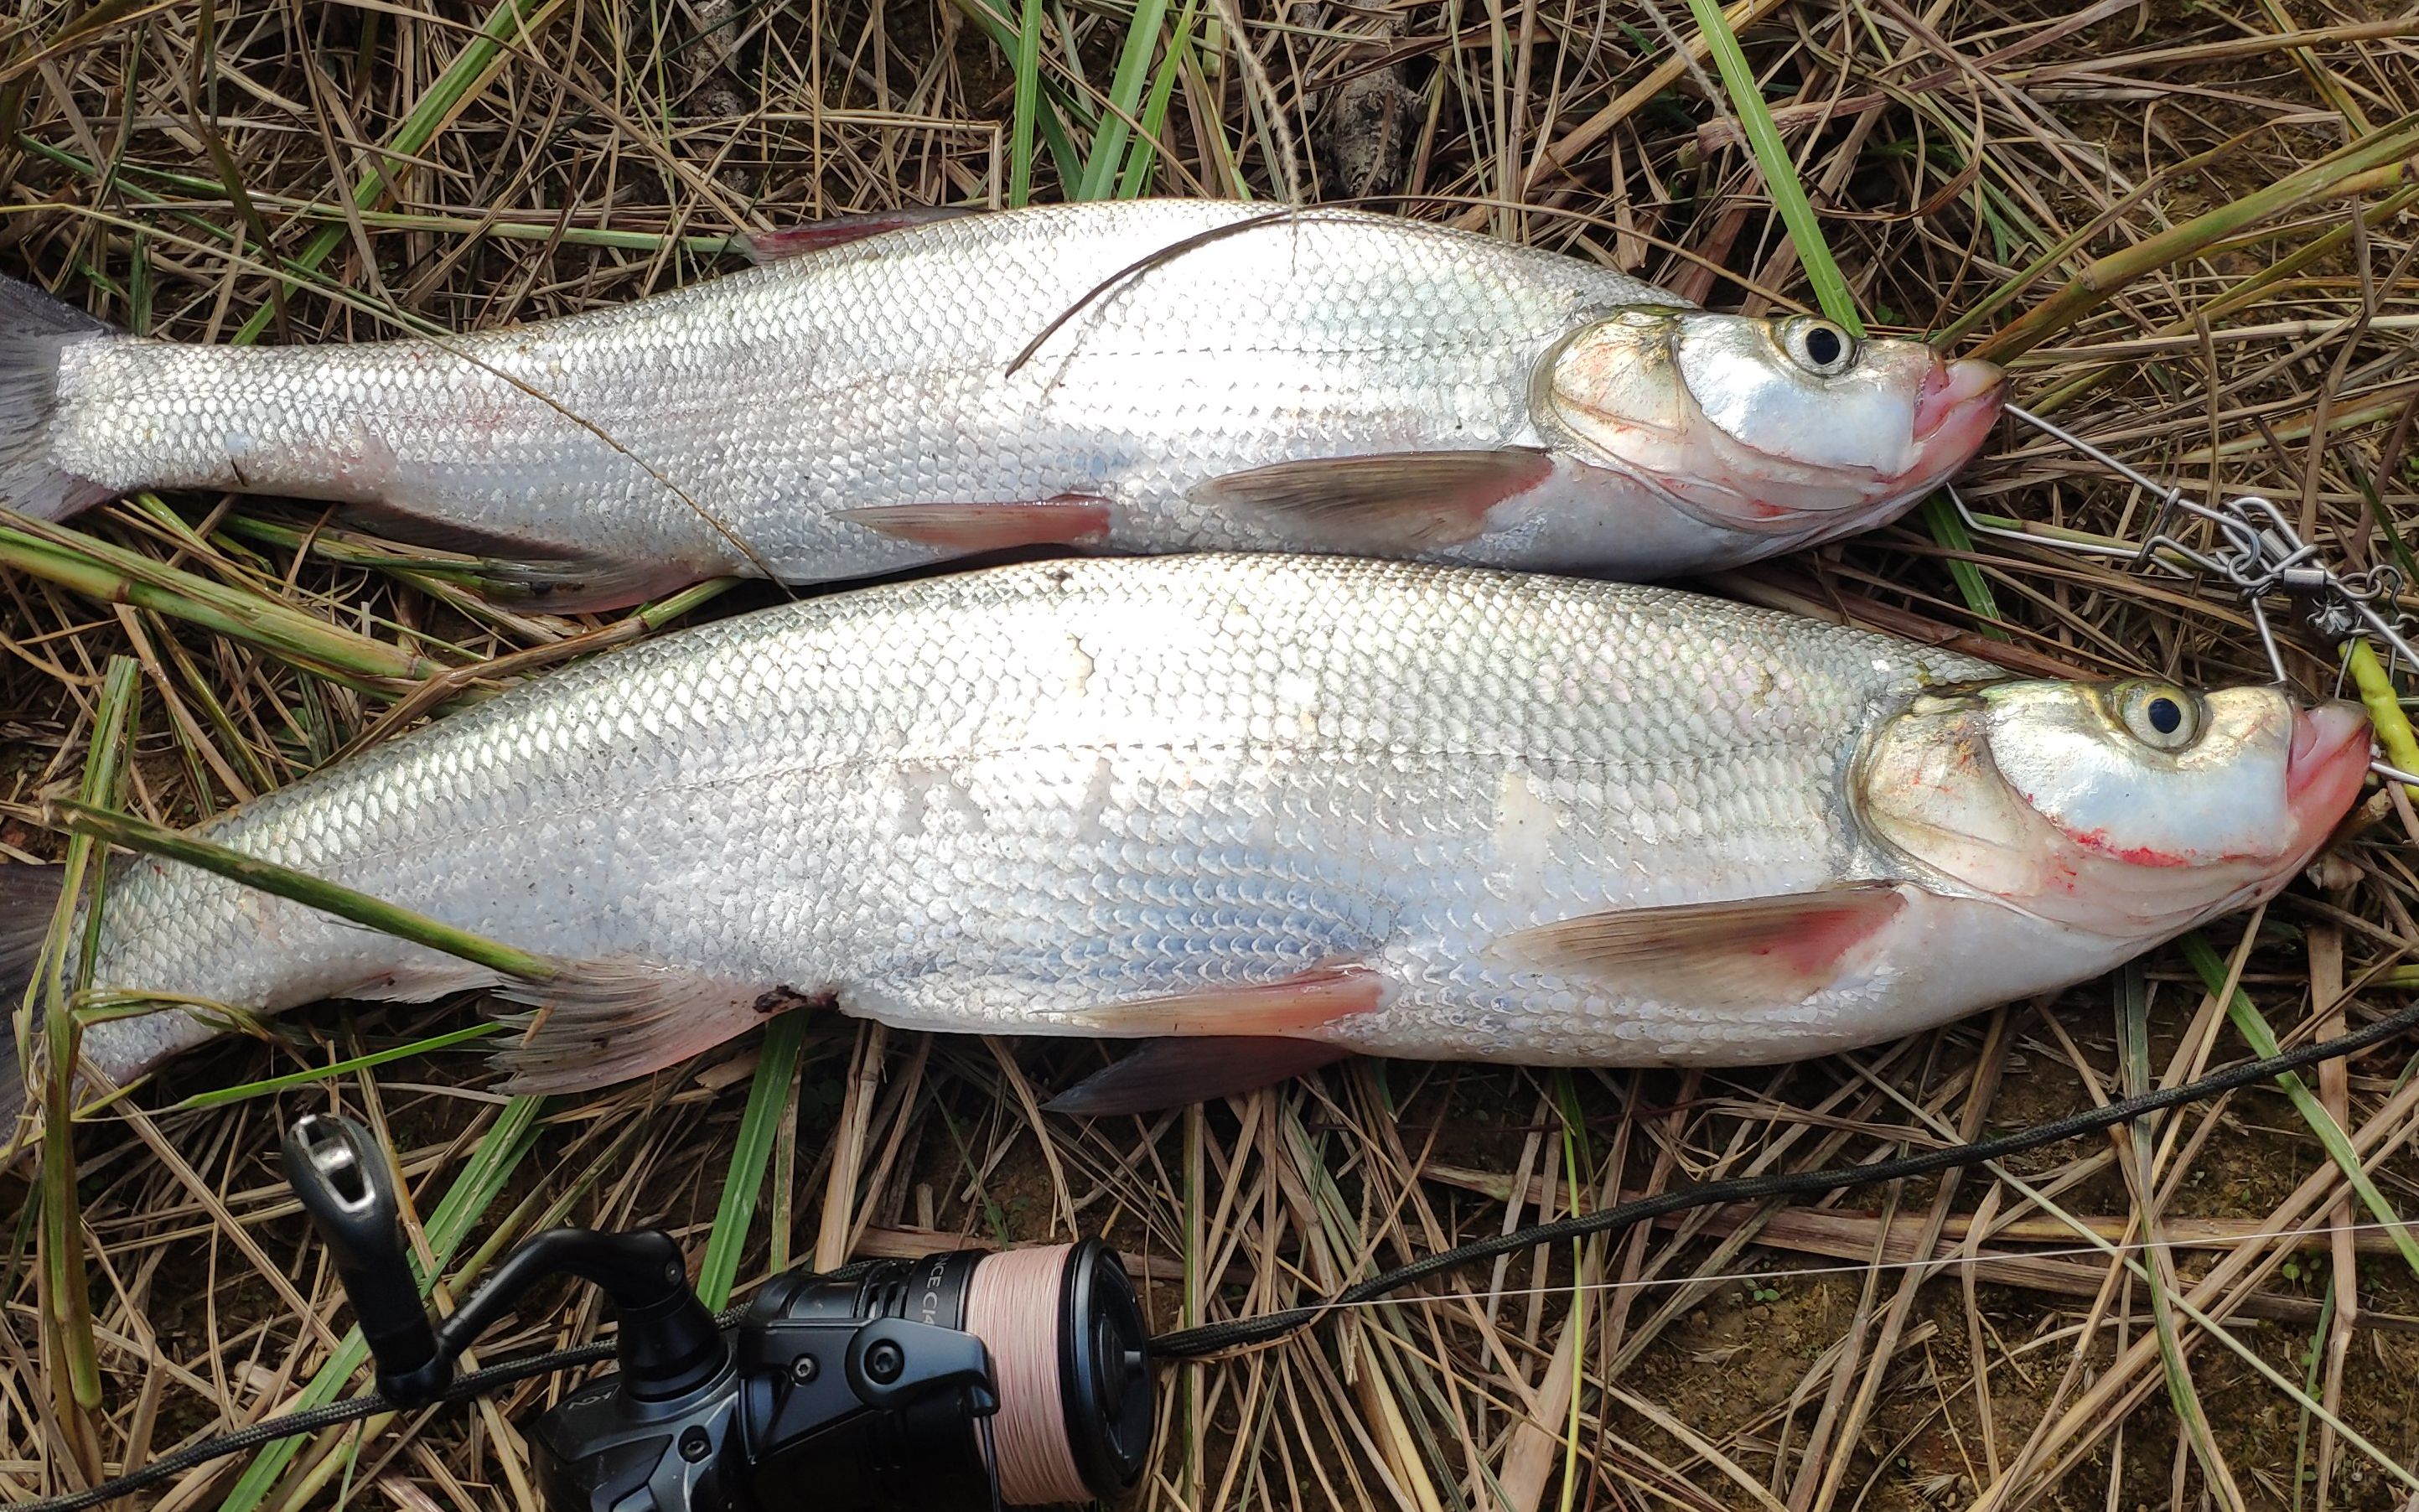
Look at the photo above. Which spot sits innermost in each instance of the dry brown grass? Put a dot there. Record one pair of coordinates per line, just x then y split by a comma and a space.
1952, 149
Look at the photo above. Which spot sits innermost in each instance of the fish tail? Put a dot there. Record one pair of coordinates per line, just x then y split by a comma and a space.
33, 327
29, 899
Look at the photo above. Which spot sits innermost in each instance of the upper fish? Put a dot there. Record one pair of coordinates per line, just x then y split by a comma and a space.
1299, 804
1152, 376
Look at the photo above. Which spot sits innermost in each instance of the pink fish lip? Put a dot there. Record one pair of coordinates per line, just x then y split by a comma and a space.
1955, 410
2328, 763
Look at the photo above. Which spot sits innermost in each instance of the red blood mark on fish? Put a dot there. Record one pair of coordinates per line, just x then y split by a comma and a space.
2097, 840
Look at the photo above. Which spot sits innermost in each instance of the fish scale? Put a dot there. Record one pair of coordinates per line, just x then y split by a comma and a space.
994, 802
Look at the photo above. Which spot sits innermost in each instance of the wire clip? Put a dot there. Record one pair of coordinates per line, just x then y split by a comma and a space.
2256, 552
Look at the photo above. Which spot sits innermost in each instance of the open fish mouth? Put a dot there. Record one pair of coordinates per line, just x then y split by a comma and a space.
1954, 411
2328, 764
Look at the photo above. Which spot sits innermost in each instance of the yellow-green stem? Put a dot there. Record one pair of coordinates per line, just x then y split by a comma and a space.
2385, 716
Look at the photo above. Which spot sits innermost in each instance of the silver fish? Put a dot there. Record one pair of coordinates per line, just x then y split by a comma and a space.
1144, 377
1322, 803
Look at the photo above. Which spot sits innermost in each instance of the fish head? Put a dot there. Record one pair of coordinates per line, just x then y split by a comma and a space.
1789, 427
2127, 809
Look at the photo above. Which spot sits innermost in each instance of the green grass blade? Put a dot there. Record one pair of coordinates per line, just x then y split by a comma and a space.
221, 1096
301, 888
768, 1099
1027, 106
1823, 275
1056, 107
2314, 1364
62, 1231
113, 574
499, 1154
2134, 1024
1940, 517
2254, 1028
1125, 98
2103, 278
1778, 169
1143, 155
2385, 716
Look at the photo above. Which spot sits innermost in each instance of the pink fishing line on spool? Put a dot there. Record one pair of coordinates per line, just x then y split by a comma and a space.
1012, 1306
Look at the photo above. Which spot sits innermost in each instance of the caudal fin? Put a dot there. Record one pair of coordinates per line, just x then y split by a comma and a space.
33, 328
29, 899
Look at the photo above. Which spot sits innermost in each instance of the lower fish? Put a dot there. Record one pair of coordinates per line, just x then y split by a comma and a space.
1150, 376
1263, 811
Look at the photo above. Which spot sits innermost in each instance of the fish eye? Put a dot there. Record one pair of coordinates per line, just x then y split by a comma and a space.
2159, 715
1819, 347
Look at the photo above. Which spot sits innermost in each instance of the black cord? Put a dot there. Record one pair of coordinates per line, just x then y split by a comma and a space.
312, 1419
1211, 1338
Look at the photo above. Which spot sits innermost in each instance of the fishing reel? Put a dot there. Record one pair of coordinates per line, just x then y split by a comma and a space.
966, 1380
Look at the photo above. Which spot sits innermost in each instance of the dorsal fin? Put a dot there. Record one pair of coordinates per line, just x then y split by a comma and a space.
762, 247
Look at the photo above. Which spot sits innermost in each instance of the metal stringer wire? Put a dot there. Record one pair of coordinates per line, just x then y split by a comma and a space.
2258, 553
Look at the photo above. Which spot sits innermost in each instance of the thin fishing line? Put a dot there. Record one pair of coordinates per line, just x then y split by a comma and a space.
1241, 1332
1268, 1328
2111, 1248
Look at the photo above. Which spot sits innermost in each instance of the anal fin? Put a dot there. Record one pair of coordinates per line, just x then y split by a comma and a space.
593, 1023
1168, 1074
583, 585
1744, 953
1397, 502
1222, 1041
1069, 519
526, 573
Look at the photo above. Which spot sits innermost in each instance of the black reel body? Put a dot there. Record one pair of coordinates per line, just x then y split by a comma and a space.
819, 1350
1020, 1376
966, 1380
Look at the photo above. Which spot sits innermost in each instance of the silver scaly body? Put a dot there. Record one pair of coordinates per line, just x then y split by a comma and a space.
1001, 801
878, 374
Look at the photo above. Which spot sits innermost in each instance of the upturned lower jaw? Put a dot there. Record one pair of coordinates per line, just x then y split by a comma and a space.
1954, 412
2329, 761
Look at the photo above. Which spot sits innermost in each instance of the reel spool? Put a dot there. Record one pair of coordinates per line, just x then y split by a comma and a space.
1070, 1355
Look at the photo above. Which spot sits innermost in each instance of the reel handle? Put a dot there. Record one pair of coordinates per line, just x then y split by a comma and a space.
342, 1177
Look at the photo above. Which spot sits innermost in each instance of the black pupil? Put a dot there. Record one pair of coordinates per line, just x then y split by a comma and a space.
1823, 345
2166, 718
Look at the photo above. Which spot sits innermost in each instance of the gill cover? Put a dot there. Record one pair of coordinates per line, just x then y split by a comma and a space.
2130, 808
1785, 426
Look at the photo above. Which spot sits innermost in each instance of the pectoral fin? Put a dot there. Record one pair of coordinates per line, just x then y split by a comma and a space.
1172, 1073
1070, 520
1400, 501
1746, 954
593, 1023
762, 247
